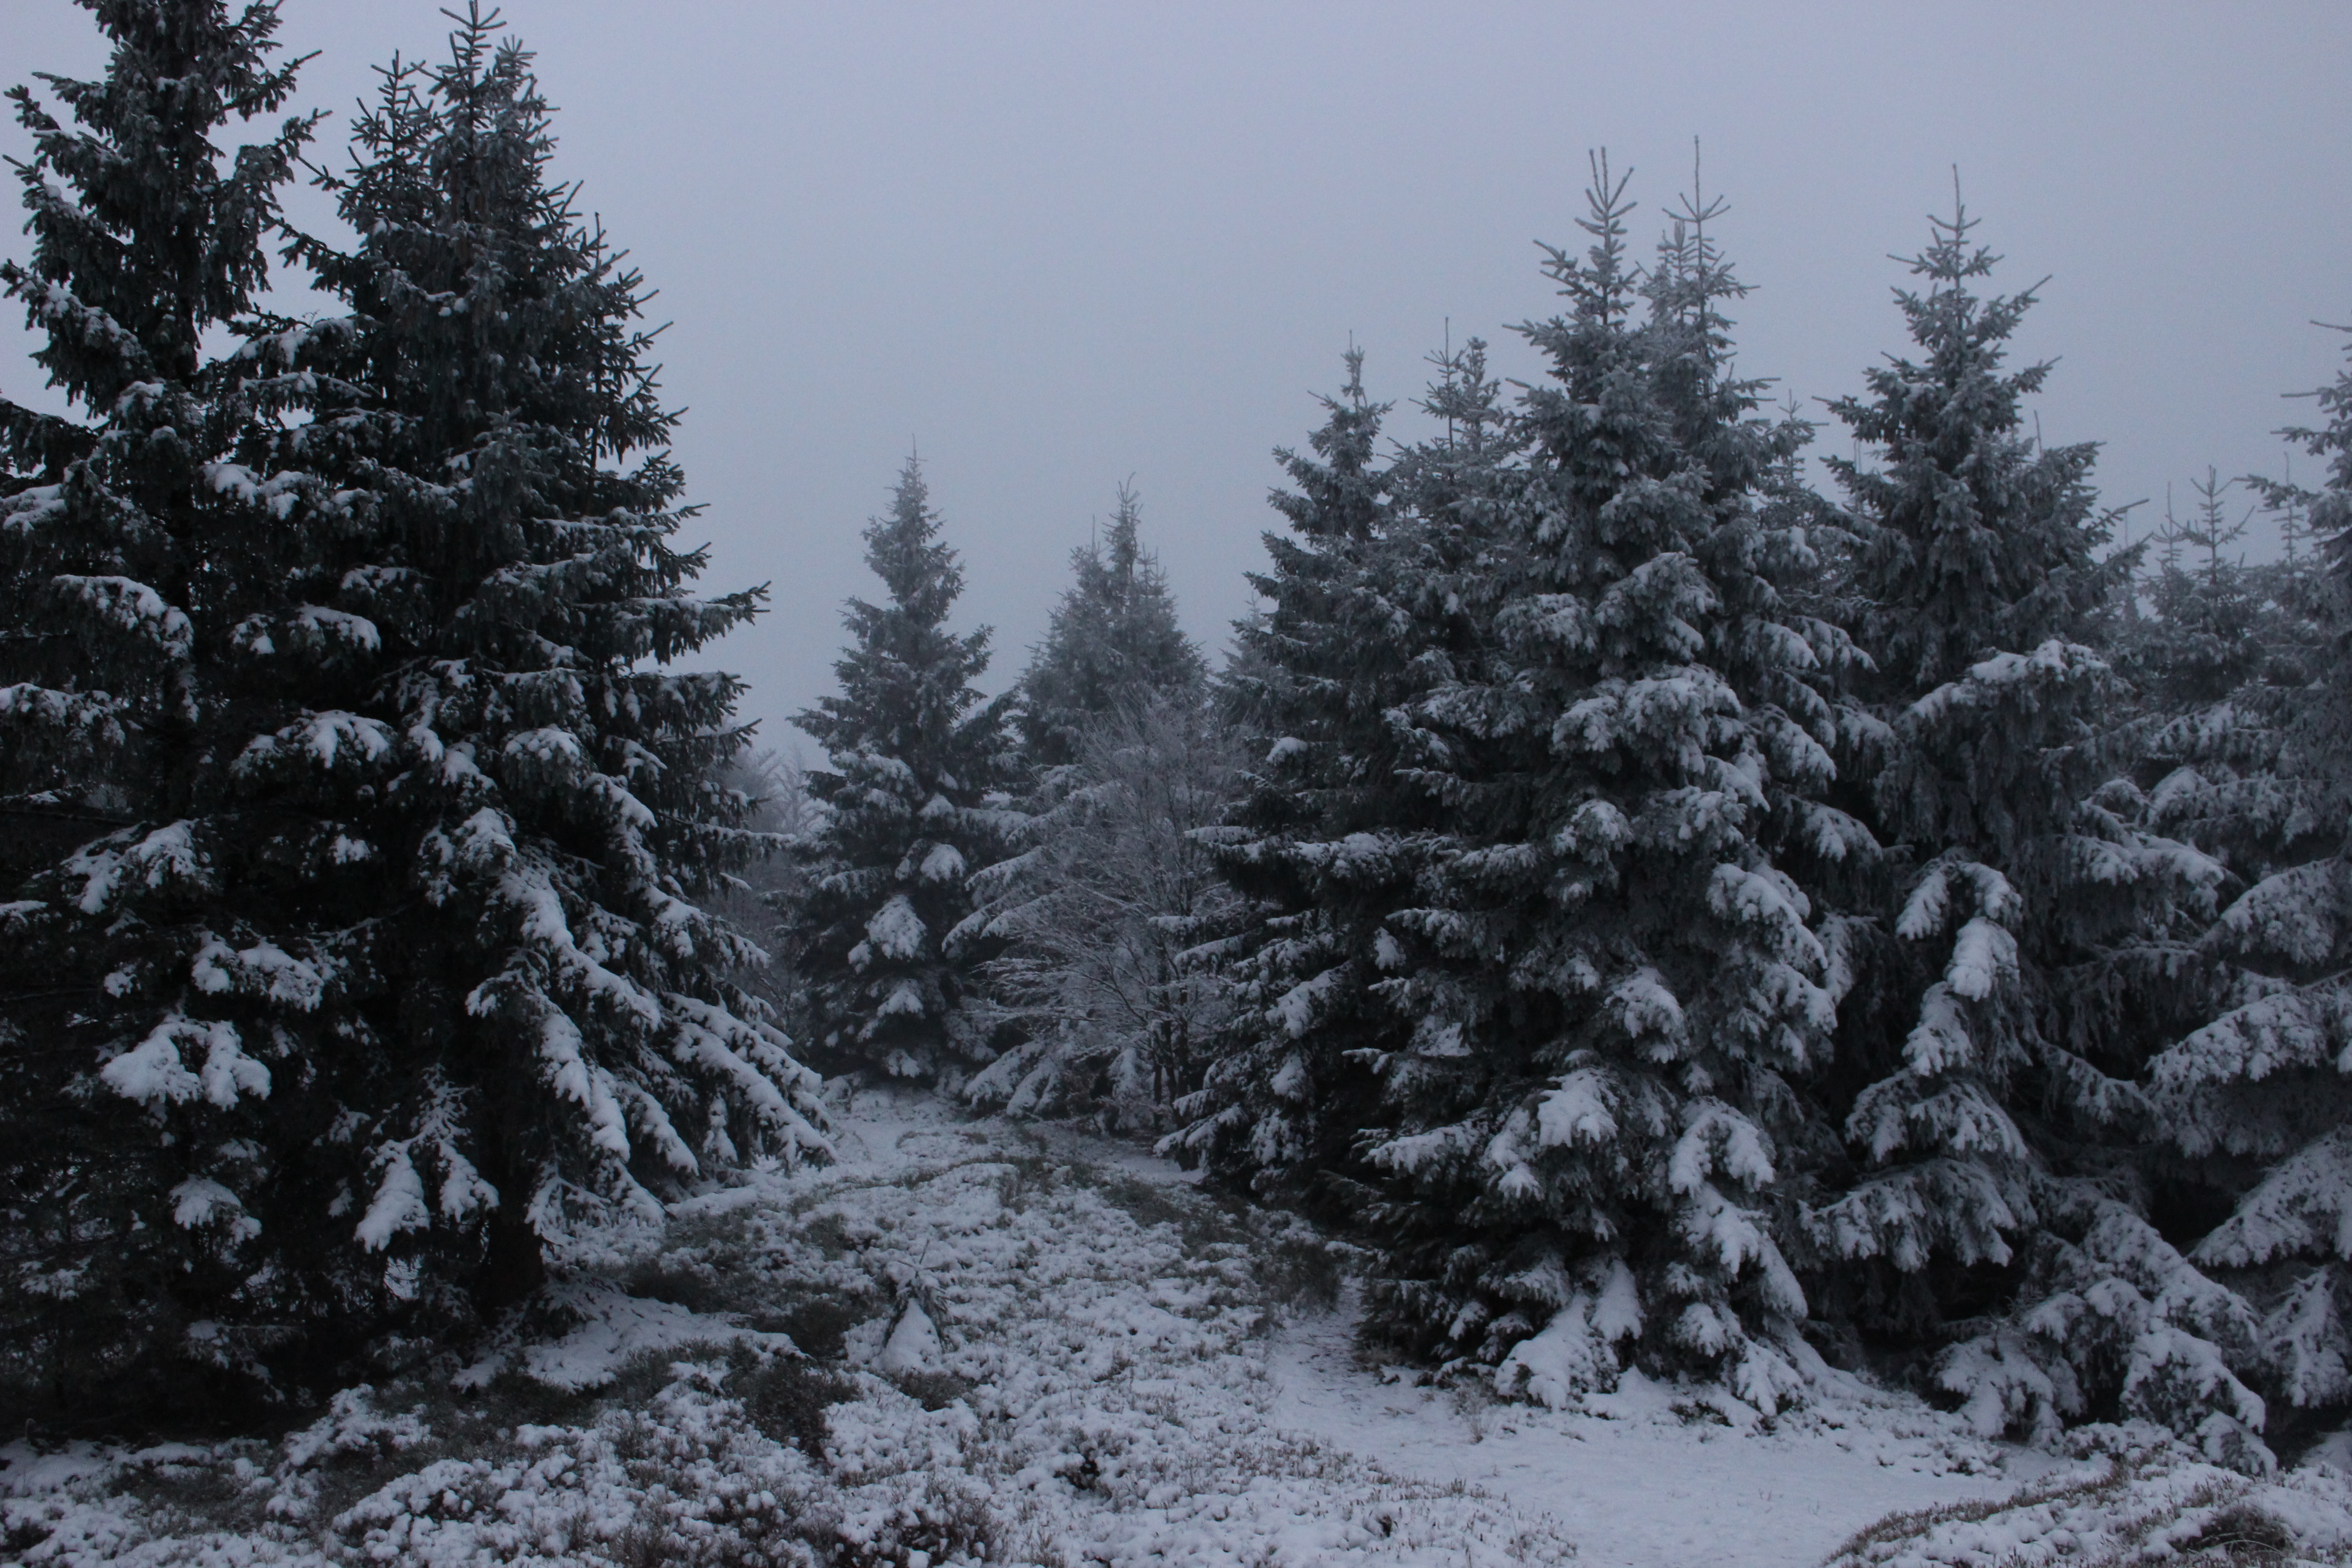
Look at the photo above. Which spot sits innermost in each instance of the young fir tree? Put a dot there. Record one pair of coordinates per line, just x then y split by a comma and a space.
2027, 938
1312, 842
2211, 623
913, 803
1112, 646
1605, 985
415, 982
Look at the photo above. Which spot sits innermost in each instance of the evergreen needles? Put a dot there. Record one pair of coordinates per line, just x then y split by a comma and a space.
359, 963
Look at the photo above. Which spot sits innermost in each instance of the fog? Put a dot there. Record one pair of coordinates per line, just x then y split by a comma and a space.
1059, 246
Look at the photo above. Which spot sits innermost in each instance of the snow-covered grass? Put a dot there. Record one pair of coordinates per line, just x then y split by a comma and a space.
974, 1341
2164, 1509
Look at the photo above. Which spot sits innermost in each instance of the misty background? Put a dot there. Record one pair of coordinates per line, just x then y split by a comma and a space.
1062, 245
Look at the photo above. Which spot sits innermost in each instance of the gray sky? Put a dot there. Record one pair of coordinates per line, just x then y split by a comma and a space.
1060, 244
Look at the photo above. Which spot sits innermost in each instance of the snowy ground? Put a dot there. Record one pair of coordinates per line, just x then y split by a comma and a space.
1653, 1487
1027, 1346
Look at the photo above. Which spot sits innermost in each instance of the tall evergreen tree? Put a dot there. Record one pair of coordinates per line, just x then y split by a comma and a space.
1312, 681
2027, 936
427, 910
559, 785
2256, 1102
1095, 917
914, 803
122, 567
1587, 1146
1547, 989
1112, 645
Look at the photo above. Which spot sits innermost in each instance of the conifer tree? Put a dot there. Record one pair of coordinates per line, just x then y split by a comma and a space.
1531, 986
559, 785
914, 803
1608, 982
123, 566
2256, 1102
2210, 622
1311, 843
1094, 919
2027, 938
1367, 604
426, 912
1112, 645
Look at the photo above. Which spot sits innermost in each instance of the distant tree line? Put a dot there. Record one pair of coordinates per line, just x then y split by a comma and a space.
1676, 918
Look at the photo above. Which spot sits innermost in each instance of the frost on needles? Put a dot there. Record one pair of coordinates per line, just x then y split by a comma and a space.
1106, 984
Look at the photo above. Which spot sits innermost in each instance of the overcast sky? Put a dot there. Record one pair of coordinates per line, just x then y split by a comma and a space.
1062, 245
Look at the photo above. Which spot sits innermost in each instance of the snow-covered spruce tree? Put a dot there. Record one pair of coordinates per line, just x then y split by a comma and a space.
1112, 646
2257, 1101
126, 1237
425, 915
557, 1032
2027, 938
913, 802
1603, 984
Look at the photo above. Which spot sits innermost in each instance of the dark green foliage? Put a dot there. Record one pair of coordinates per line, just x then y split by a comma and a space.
1592, 1128
914, 802
2027, 935
392, 975
1530, 989
123, 568
1311, 676
553, 786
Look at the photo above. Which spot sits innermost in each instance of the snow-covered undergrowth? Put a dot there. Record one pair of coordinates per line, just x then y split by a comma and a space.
969, 1342
1654, 1476
1013, 1355
2159, 1507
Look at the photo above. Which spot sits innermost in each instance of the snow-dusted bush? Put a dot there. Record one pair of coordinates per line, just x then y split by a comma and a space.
1102, 921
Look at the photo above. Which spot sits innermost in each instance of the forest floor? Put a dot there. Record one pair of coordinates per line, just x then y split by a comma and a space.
975, 1341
